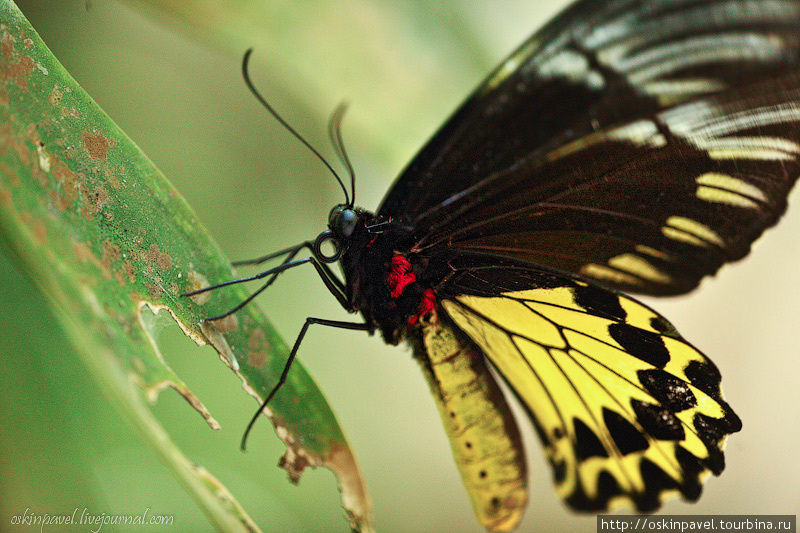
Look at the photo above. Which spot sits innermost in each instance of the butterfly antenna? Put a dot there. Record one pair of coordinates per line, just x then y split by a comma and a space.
263, 101
335, 134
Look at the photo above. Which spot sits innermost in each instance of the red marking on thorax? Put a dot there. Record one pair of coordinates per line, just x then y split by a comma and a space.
400, 276
427, 305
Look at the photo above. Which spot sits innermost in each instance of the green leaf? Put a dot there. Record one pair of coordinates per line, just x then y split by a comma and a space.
112, 244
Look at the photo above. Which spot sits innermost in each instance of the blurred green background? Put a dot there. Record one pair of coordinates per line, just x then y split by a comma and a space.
169, 76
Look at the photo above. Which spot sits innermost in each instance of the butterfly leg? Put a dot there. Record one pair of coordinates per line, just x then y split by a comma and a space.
261, 289
332, 283
291, 251
309, 321
278, 269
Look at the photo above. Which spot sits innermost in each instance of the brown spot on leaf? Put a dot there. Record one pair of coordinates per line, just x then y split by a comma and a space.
198, 281
9, 141
7, 46
9, 173
110, 253
82, 251
127, 267
97, 146
55, 96
162, 259
17, 70
256, 339
85, 255
153, 291
147, 270
111, 178
5, 196
33, 135
58, 199
20, 71
28, 43
294, 464
93, 201
223, 325
70, 183
256, 359
257, 342
37, 227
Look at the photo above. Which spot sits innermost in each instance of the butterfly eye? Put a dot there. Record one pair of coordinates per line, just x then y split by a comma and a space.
347, 222
342, 221
327, 240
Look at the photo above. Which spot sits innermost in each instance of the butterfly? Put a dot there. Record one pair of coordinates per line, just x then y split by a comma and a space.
626, 146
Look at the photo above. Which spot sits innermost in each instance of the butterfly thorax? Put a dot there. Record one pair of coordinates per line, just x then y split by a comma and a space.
384, 282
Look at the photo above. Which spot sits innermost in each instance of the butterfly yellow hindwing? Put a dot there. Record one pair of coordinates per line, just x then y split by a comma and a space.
627, 410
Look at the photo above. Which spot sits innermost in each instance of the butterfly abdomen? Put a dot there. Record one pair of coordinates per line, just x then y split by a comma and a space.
483, 435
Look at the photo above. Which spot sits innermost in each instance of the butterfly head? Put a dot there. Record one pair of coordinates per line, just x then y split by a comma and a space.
342, 223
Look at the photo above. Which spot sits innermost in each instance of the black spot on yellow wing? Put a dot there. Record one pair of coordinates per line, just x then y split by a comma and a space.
627, 437
640, 343
658, 421
627, 410
672, 392
599, 302
587, 445
656, 482
559, 471
606, 485
662, 325
704, 376
694, 468
712, 431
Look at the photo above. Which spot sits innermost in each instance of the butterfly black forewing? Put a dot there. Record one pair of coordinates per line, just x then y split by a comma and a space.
640, 144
